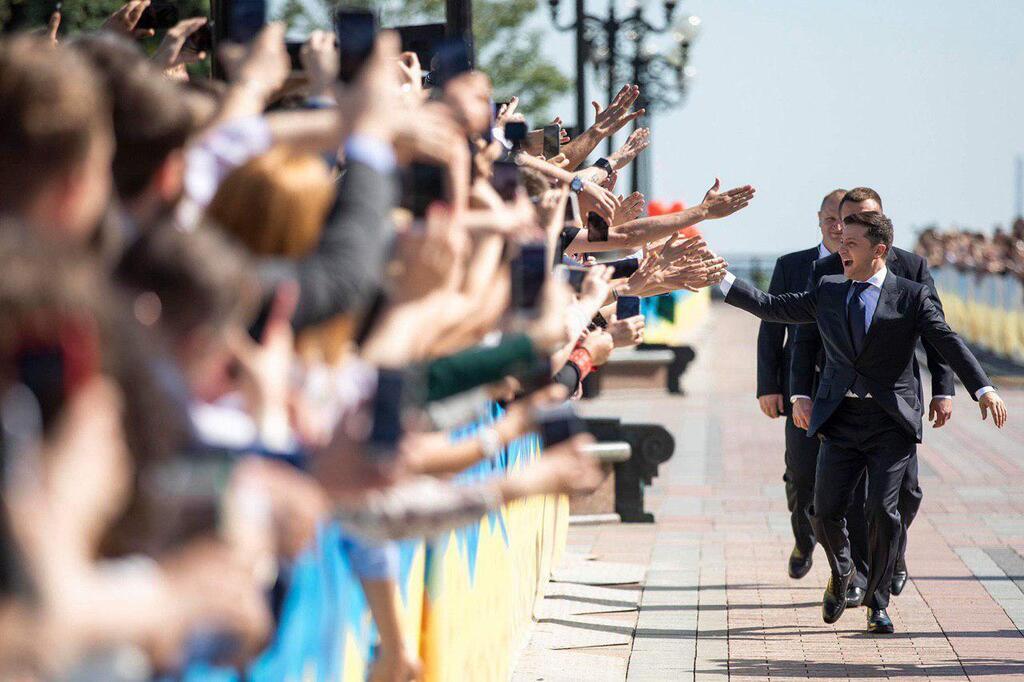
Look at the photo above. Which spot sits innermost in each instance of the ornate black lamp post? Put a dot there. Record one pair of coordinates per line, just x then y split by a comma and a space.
620, 49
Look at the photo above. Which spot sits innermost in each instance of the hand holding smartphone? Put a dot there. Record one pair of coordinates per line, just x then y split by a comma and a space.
552, 141
597, 228
627, 306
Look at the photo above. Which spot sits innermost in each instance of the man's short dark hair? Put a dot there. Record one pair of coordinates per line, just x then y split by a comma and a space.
836, 192
151, 119
51, 112
879, 227
859, 194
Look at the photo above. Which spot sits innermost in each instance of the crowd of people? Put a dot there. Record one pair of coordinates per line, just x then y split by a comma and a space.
1000, 253
233, 311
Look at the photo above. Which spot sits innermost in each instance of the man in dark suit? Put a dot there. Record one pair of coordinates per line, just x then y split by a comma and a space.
866, 409
774, 350
808, 355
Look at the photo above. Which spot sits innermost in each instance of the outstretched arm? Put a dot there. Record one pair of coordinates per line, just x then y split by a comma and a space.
636, 233
799, 308
933, 327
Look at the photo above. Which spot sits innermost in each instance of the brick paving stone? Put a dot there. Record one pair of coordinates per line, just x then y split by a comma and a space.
716, 602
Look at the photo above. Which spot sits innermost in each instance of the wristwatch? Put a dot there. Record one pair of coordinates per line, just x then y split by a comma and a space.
605, 165
576, 185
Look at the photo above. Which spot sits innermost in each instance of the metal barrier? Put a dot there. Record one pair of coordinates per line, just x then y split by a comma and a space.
987, 310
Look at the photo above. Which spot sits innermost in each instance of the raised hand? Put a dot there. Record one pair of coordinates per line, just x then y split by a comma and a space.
319, 56
720, 204
630, 208
628, 332
125, 19
637, 141
609, 121
507, 113
597, 199
174, 51
991, 402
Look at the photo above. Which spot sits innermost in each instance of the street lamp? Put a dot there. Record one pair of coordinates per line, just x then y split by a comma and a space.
661, 74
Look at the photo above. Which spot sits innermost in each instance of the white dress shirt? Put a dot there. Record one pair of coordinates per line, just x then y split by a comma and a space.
870, 299
823, 251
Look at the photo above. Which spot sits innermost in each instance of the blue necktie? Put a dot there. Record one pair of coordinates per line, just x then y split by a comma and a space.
855, 316
855, 309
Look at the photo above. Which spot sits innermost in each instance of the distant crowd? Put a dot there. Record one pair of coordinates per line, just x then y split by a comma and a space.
1000, 253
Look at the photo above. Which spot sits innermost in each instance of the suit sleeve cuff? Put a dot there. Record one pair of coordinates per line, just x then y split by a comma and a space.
726, 283
794, 398
982, 391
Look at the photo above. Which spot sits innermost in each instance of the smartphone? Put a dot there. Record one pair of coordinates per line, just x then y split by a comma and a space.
246, 19
552, 144
574, 275
528, 272
294, 49
202, 39
597, 228
158, 16
452, 59
422, 185
627, 306
557, 424
422, 39
55, 370
386, 430
506, 179
624, 267
356, 30
515, 133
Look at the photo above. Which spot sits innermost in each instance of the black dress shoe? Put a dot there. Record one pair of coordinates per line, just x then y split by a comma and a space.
879, 623
800, 563
854, 597
833, 603
899, 581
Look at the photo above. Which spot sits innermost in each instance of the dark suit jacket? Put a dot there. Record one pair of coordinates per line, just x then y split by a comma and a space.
905, 313
346, 267
807, 348
774, 340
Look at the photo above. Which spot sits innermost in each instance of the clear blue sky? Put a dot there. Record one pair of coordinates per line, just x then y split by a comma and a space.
924, 101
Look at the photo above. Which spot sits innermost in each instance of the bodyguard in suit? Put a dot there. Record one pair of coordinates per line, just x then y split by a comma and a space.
866, 408
808, 354
774, 350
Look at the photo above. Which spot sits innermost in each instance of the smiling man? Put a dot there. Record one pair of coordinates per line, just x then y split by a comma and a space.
808, 358
866, 409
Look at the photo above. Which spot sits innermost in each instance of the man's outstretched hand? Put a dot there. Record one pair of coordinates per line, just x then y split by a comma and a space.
991, 402
720, 204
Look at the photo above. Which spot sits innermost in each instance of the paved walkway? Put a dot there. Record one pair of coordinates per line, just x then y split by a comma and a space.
703, 593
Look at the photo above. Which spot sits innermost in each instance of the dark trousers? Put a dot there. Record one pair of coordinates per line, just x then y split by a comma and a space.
801, 464
857, 522
861, 438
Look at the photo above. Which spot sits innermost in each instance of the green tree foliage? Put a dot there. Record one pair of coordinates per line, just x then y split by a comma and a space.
79, 15
507, 50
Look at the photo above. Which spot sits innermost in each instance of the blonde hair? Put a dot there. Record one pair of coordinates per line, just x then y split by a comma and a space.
276, 203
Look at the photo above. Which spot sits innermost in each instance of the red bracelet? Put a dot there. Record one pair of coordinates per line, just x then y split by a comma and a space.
580, 357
